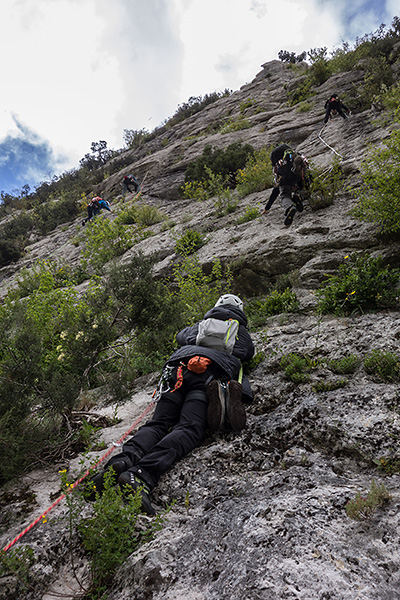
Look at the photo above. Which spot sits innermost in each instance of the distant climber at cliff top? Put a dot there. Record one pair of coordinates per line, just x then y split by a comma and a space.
335, 105
291, 178
94, 207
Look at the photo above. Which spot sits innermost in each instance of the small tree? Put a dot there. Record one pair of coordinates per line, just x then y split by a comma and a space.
291, 57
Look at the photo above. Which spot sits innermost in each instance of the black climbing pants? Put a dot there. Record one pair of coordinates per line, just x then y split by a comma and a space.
177, 427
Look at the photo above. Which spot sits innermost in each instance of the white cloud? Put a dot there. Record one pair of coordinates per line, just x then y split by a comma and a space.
78, 71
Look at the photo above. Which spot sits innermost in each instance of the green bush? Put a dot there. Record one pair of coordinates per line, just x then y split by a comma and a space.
363, 507
110, 532
189, 242
378, 76
296, 368
55, 273
194, 105
275, 303
18, 562
361, 283
52, 213
14, 236
317, 74
235, 125
371, 45
345, 365
197, 190
144, 216
18, 227
57, 343
105, 240
219, 161
10, 251
389, 98
329, 386
302, 92
257, 174
378, 198
320, 68
198, 291
382, 365
388, 464
253, 363
304, 106
324, 186
250, 214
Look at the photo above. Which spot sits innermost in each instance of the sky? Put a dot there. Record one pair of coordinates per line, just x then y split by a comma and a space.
74, 72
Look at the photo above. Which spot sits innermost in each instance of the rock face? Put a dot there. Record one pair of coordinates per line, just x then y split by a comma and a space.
260, 514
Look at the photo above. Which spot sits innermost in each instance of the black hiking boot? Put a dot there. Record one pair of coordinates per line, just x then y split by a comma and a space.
235, 407
96, 483
298, 203
216, 405
289, 216
129, 482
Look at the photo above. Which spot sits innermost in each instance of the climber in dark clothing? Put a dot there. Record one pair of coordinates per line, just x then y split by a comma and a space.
180, 418
336, 105
290, 178
130, 181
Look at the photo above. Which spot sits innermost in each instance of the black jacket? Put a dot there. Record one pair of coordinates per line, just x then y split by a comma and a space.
229, 364
335, 104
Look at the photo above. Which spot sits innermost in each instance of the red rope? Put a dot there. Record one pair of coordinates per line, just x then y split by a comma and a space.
78, 481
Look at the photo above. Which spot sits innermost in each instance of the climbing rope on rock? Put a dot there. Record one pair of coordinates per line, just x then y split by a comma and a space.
87, 472
326, 144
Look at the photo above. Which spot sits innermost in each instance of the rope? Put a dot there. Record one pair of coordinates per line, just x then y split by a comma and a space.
326, 144
78, 481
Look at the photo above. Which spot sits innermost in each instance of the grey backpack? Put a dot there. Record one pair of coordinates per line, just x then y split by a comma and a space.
217, 334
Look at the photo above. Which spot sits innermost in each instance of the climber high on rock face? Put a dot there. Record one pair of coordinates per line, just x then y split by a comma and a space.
94, 207
291, 178
335, 105
128, 182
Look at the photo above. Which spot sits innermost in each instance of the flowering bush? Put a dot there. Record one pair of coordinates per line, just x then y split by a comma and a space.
361, 283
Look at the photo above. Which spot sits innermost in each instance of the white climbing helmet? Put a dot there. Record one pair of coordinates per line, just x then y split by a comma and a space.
230, 299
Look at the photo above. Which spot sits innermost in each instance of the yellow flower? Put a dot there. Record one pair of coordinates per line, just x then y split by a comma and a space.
63, 471
347, 256
44, 520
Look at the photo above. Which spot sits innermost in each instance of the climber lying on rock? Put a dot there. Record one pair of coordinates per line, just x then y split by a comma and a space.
200, 388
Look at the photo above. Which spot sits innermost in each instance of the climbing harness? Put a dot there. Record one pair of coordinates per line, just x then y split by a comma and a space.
78, 481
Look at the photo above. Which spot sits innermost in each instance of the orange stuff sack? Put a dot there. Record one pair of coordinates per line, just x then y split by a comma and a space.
198, 364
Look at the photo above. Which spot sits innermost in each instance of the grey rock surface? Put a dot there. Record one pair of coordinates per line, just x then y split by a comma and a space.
260, 514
